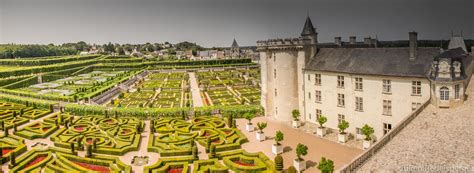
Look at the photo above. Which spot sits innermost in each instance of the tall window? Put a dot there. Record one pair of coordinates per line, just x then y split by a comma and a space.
317, 79
358, 83
274, 73
387, 107
456, 91
317, 96
319, 112
309, 95
386, 128
387, 86
275, 92
358, 131
340, 118
359, 104
340, 81
340, 100
416, 87
444, 93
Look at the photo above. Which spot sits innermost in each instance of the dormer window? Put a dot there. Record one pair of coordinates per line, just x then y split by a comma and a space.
457, 69
444, 70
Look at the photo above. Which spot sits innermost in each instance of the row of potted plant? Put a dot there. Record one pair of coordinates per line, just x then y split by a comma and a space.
343, 136
299, 164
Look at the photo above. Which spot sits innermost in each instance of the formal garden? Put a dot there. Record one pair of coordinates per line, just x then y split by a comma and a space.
230, 87
157, 90
176, 141
51, 122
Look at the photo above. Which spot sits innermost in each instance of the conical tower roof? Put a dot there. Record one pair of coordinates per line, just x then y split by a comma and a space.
234, 43
308, 28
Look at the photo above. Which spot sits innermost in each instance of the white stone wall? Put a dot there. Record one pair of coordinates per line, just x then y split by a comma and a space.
401, 98
300, 85
452, 102
263, 79
286, 83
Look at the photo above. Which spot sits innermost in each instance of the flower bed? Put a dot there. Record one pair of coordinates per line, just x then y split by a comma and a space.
59, 160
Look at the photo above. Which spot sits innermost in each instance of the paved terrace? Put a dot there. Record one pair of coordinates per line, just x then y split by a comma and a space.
317, 147
438, 138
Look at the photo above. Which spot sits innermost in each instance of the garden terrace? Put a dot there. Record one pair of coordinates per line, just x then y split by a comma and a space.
49, 67
230, 87
79, 87
60, 160
44, 60
176, 64
157, 90
114, 136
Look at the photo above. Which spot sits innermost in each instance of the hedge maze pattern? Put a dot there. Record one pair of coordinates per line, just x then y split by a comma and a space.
174, 139
60, 160
114, 136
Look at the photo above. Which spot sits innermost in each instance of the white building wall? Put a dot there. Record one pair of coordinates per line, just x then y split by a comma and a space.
401, 98
285, 65
300, 84
263, 79
286, 84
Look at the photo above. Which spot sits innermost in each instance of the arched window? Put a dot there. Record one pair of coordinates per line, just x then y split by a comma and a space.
444, 93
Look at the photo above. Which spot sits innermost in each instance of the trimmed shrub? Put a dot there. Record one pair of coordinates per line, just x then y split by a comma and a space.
292, 169
279, 163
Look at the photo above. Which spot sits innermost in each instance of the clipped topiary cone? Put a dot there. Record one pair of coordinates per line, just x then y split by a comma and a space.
279, 163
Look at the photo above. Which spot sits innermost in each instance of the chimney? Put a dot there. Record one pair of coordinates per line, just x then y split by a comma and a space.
375, 42
352, 40
337, 40
413, 45
367, 40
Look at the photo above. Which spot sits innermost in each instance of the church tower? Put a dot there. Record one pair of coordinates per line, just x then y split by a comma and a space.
234, 49
281, 64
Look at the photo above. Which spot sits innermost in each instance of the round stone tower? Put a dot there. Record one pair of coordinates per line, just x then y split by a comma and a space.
281, 64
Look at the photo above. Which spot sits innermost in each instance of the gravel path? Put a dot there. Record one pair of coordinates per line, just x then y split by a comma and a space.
142, 151
197, 100
438, 140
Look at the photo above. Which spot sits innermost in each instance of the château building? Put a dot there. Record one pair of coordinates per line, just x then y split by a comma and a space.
368, 82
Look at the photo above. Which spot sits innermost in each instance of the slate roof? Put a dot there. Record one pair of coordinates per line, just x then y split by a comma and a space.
456, 53
308, 28
374, 61
451, 55
457, 41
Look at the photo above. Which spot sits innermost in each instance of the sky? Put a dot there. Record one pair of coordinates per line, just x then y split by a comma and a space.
217, 22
